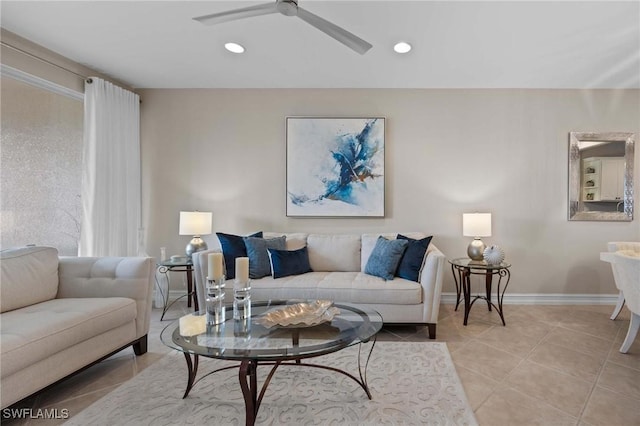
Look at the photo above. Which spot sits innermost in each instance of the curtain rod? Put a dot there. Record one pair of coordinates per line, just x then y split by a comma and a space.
31, 55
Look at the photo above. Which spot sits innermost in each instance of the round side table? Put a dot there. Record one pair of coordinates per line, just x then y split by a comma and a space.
463, 268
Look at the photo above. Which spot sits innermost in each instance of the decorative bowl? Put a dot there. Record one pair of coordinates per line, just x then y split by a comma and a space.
300, 315
493, 255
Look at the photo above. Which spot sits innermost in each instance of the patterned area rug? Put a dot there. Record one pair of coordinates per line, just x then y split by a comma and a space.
411, 383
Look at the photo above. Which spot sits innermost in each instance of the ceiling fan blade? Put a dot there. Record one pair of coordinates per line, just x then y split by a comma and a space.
232, 15
343, 36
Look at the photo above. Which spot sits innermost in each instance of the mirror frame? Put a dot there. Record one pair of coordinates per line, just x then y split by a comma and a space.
575, 169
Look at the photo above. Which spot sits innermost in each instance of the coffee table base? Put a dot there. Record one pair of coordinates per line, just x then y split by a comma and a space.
248, 377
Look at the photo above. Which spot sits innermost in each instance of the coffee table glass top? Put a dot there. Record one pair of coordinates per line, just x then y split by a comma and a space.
248, 339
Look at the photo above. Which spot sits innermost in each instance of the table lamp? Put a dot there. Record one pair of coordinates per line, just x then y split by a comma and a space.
476, 225
195, 224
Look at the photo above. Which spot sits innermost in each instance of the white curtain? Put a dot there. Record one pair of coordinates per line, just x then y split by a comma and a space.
111, 172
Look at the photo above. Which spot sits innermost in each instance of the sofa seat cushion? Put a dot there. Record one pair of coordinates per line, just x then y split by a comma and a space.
35, 332
347, 287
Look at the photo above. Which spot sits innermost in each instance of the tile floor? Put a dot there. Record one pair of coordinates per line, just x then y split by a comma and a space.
551, 365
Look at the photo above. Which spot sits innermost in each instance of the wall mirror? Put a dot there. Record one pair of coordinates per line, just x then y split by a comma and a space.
601, 176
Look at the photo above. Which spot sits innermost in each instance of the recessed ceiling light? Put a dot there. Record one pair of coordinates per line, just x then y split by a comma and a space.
402, 47
234, 47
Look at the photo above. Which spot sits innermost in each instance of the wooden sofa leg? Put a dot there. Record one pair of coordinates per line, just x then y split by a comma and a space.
140, 346
432, 331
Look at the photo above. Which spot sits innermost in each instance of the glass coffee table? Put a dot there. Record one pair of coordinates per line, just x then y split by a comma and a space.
253, 344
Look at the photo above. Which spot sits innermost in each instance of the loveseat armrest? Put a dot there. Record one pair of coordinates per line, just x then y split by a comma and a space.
431, 278
130, 277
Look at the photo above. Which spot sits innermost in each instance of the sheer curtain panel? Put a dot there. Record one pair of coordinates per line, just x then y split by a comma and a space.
111, 171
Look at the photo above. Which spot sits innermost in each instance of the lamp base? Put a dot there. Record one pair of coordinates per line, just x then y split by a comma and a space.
196, 244
475, 251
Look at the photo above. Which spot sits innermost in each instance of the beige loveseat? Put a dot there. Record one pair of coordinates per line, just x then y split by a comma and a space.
338, 262
59, 315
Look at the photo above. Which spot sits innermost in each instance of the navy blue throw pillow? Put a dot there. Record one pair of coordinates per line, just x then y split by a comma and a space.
285, 263
413, 258
232, 247
385, 258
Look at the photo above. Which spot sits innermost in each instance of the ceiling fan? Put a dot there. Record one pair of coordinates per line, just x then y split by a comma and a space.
290, 8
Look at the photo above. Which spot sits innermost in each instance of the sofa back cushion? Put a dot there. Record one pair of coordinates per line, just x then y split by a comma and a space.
334, 252
295, 240
29, 276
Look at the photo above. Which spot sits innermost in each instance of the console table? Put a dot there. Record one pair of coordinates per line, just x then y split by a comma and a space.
166, 266
463, 268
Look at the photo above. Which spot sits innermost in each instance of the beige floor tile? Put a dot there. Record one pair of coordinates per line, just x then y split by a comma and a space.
620, 379
73, 406
507, 406
576, 364
485, 360
445, 311
451, 330
387, 336
579, 341
630, 359
551, 315
622, 335
100, 376
607, 310
454, 327
518, 338
562, 391
625, 314
607, 408
592, 323
476, 386
455, 346
402, 331
144, 361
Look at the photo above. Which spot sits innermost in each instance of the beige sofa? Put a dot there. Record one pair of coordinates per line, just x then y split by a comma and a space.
59, 315
338, 262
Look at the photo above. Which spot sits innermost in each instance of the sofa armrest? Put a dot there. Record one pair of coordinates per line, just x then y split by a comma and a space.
130, 277
431, 278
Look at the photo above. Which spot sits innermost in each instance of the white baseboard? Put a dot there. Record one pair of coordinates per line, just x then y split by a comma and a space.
514, 299
546, 299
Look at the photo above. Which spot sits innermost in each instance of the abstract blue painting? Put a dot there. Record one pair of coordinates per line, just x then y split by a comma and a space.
335, 167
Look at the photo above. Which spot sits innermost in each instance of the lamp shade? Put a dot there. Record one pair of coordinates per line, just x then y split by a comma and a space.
476, 224
195, 223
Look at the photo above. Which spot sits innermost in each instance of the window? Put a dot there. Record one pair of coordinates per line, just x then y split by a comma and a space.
41, 160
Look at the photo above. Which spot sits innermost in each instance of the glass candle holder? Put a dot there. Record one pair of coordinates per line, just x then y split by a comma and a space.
215, 301
241, 300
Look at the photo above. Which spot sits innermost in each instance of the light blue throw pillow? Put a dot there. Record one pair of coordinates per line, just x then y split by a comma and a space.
385, 258
259, 264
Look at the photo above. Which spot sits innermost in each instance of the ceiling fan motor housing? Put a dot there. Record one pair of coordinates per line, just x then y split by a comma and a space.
287, 7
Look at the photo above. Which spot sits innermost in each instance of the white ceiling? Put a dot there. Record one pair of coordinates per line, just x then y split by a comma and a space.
457, 44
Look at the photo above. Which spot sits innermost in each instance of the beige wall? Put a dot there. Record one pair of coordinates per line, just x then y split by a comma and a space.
447, 152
